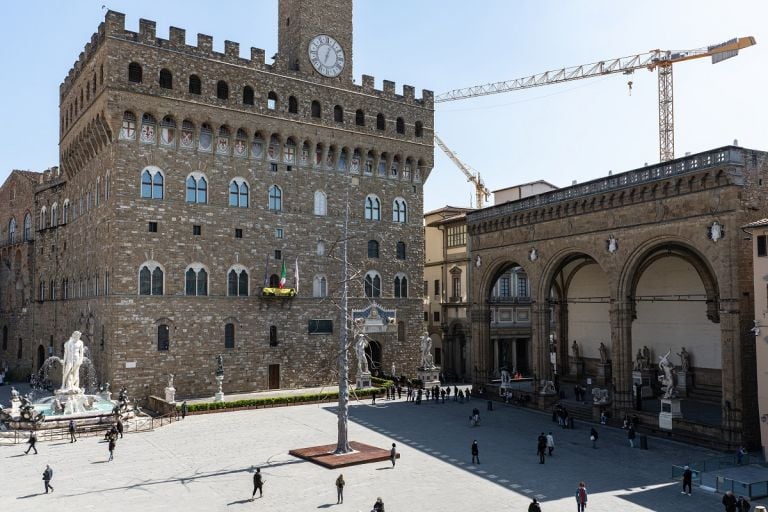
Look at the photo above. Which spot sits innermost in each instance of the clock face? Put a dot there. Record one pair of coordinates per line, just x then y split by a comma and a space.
326, 55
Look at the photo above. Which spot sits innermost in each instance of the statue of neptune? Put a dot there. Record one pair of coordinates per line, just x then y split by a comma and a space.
74, 352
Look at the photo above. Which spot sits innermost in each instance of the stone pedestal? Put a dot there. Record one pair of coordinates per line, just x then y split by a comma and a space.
604, 374
219, 396
363, 380
684, 383
670, 408
429, 376
648, 380
170, 395
577, 368
15, 408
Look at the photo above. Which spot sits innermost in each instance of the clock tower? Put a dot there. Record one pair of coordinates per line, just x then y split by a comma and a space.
315, 38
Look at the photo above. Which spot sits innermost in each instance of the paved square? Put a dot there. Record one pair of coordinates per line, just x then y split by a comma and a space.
206, 463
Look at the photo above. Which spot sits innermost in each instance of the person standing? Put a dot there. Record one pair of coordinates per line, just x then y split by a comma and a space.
729, 502
550, 443
475, 452
393, 455
112, 444
119, 427
32, 441
581, 497
631, 435
378, 506
47, 477
184, 409
687, 480
743, 505
258, 484
541, 447
534, 506
339, 489
72, 431
593, 437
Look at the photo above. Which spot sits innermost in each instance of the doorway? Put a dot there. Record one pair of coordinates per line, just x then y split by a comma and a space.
373, 353
274, 376
40, 357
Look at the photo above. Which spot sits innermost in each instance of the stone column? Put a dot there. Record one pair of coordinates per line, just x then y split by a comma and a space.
480, 316
622, 315
730, 342
542, 368
561, 313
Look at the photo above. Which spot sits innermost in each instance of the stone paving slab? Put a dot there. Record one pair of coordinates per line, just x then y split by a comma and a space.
207, 462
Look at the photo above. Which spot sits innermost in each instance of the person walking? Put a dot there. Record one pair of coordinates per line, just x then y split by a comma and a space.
378, 506
687, 480
72, 431
729, 502
581, 497
742, 505
631, 435
550, 444
32, 441
184, 409
258, 484
593, 437
119, 425
534, 506
112, 444
541, 447
47, 477
393, 454
339, 489
475, 452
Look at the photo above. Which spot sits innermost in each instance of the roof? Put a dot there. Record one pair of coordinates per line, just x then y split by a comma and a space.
757, 224
448, 208
526, 184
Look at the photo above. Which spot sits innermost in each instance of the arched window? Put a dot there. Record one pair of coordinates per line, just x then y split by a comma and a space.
275, 198
373, 249
315, 109
321, 203
293, 105
247, 95
338, 114
134, 72
400, 251
12, 231
238, 193
241, 144
222, 90
382, 168
163, 338
320, 251
54, 215
128, 129
205, 141
360, 118
372, 284
151, 277
272, 100
187, 139
168, 131
197, 188
342, 163
399, 210
400, 125
152, 183
222, 141
43, 223
195, 86
229, 335
237, 281
381, 123
419, 129
372, 208
166, 79
196, 280
368, 169
289, 151
401, 286
148, 129
27, 227
319, 286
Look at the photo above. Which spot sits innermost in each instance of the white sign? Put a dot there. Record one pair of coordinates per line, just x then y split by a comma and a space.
130, 364
589, 381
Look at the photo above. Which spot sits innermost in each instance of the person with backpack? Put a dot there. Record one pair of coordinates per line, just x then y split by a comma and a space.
534, 506
581, 497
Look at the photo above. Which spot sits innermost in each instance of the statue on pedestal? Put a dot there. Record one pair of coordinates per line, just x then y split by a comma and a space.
685, 360
603, 353
667, 379
576, 351
639, 360
360, 345
646, 358
426, 351
170, 380
74, 353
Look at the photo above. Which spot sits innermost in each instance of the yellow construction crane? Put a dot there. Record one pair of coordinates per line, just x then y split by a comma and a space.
661, 60
481, 191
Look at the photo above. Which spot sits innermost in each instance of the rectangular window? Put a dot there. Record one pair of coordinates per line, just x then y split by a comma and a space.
436, 316
196, 230
437, 287
238, 233
278, 232
457, 287
762, 245
278, 255
163, 337
457, 236
320, 327
272, 335
522, 286
426, 316
289, 168
273, 167
229, 336
426, 288
504, 290
152, 227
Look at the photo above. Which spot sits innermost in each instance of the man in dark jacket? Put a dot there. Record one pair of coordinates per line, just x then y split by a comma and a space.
47, 477
32, 441
534, 506
687, 480
258, 483
72, 431
541, 447
729, 502
475, 452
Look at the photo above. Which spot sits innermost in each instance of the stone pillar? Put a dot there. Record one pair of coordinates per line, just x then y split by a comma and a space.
622, 315
480, 317
542, 368
730, 342
561, 313
495, 365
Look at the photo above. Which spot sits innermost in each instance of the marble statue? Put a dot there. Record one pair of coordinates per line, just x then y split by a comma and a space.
576, 351
426, 351
360, 345
667, 379
14, 393
219, 365
646, 358
170, 380
685, 360
505, 378
74, 353
639, 360
603, 353
394, 373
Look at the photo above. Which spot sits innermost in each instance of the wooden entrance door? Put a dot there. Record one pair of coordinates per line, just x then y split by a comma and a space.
274, 376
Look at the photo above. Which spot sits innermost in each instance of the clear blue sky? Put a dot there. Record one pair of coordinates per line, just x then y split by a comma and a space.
560, 133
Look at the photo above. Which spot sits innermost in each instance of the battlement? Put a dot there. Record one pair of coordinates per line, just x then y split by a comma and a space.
113, 27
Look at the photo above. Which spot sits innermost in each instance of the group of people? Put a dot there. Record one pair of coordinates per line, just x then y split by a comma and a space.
545, 444
560, 414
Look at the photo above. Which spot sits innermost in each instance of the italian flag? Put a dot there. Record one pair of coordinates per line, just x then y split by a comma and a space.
282, 276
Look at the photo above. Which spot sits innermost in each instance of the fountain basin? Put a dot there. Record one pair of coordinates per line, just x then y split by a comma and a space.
74, 406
